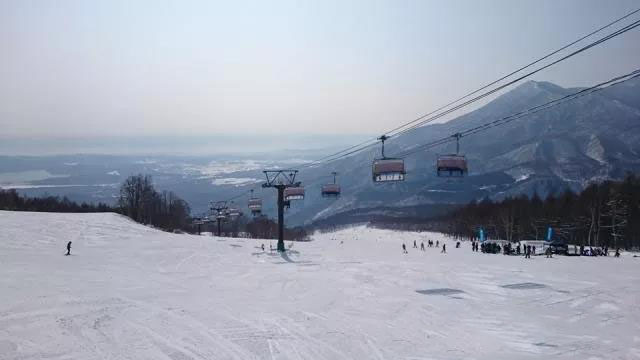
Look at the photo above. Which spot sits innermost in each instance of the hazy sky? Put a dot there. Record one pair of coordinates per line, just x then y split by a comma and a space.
79, 68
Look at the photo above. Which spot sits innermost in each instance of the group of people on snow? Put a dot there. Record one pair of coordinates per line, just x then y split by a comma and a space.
430, 243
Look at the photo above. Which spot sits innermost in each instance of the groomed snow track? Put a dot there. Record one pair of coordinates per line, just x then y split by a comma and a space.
131, 292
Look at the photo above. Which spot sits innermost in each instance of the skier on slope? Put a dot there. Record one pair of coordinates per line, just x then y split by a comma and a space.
415, 245
422, 246
444, 248
404, 248
437, 243
68, 248
262, 247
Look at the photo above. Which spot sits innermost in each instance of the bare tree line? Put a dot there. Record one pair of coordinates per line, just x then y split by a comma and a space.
140, 201
607, 213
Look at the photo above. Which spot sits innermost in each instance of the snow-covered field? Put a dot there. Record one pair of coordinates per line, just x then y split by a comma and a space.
131, 292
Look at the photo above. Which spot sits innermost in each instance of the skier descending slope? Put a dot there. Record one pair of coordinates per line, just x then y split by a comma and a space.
68, 249
444, 248
404, 249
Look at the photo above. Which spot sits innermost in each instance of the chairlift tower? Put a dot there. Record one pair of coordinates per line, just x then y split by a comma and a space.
280, 180
219, 209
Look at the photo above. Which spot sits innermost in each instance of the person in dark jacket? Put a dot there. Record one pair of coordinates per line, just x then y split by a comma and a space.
444, 248
404, 248
68, 248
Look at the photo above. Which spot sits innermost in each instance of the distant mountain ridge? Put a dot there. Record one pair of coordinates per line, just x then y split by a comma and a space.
593, 138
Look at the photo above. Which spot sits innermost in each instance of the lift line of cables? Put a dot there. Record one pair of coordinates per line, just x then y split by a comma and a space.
432, 116
424, 119
507, 119
498, 122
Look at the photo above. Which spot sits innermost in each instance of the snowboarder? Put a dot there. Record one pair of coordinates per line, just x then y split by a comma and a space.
68, 248
404, 248
458, 245
444, 248
617, 252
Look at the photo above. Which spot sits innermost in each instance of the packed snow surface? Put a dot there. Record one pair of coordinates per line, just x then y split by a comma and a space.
132, 292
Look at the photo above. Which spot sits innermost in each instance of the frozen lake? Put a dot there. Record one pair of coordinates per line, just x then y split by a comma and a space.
131, 292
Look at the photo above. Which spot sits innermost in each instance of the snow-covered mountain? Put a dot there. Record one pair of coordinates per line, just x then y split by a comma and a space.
592, 138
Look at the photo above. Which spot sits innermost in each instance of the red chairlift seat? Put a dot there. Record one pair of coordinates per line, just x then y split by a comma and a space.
331, 190
234, 213
452, 165
294, 193
255, 205
388, 169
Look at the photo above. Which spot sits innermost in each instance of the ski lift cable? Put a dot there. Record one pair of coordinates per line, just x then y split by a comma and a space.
522, 68
546, 107
374, 141
499, 122
359, 147
621, 31
472, 131
584, 48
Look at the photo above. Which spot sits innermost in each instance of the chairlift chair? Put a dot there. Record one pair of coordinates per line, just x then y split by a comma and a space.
387, 169
331, 190
452, 165
255, 205
234, 213
294, 193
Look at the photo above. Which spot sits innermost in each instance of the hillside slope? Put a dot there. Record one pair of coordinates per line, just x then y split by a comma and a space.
566, 147
130, 292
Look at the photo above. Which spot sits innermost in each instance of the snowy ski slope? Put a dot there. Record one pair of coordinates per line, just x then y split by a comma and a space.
131, 292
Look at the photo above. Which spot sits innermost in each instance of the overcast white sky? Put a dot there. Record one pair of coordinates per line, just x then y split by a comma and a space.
86, 68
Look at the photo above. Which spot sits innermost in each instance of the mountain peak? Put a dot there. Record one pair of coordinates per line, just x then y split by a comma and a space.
532, 86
